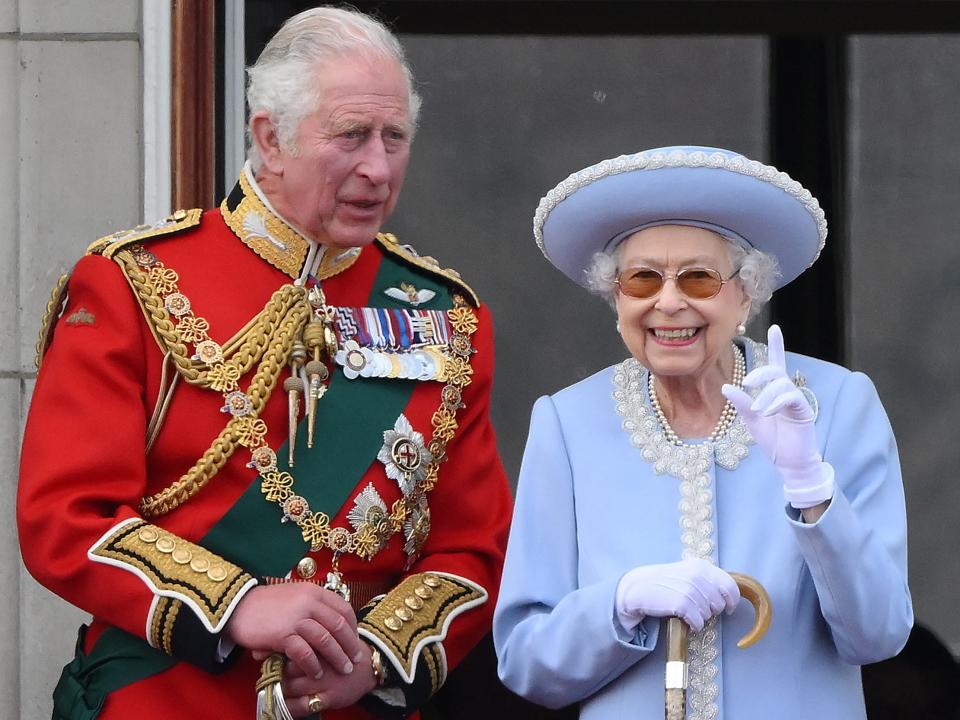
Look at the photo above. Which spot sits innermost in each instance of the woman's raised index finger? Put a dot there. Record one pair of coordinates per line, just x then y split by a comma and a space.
775, 352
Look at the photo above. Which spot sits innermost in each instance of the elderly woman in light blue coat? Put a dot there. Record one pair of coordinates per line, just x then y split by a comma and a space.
704, 453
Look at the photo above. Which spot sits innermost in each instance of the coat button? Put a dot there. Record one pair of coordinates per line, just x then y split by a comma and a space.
307, 568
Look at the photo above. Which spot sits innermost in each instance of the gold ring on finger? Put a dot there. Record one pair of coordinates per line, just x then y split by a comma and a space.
315, 704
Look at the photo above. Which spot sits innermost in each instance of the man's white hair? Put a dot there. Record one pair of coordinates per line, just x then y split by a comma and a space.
758, 273
282, 82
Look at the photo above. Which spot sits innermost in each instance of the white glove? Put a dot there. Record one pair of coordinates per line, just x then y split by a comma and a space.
693, 590
781, 421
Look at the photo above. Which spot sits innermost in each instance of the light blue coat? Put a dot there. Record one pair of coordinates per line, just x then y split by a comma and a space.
589, 507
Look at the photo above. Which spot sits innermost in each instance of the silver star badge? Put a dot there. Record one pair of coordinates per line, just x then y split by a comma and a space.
404, 455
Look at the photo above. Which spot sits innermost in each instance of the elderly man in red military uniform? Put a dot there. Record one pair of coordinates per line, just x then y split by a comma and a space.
259, 450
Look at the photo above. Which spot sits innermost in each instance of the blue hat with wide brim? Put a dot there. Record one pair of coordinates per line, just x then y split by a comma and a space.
752, 204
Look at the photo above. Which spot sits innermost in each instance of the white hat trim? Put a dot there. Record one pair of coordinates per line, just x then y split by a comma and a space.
678, 159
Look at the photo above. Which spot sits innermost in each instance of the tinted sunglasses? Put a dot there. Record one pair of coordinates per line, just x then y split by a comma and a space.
695, 283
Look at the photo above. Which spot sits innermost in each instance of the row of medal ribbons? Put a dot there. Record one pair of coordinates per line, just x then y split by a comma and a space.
404, 343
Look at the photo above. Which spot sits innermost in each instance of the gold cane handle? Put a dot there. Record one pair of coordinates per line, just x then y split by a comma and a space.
675, 699
755, 593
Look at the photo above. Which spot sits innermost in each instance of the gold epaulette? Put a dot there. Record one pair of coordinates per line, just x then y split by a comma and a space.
110, 245
390, 243
107, 246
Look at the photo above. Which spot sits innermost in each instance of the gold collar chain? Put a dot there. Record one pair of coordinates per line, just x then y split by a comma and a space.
248, 429
280, 323
375, 529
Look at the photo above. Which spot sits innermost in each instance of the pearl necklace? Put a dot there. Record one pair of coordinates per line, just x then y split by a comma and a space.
727, 416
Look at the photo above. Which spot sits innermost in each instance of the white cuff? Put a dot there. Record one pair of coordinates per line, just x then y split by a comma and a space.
812, 495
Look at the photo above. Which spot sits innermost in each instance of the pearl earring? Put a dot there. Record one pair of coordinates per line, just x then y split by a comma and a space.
618, 326
741, 328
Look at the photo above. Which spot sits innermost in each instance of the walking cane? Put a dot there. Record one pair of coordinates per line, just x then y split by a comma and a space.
675, 701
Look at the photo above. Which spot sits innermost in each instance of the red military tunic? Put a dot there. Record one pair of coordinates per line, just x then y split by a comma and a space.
86, 469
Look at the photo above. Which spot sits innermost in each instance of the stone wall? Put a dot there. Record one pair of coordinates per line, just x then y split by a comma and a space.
70, 169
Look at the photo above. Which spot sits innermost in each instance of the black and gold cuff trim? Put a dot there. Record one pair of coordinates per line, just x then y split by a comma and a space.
177, 631
412, 619
175, 569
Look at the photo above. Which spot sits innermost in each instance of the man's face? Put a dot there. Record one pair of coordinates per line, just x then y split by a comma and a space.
343, 179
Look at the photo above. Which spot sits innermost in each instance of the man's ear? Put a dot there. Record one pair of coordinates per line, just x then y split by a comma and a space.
263, 134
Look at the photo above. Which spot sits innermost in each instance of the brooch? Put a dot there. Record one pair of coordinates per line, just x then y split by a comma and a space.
801, 382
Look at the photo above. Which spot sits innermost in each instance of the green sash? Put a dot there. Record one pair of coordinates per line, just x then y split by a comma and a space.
351, 418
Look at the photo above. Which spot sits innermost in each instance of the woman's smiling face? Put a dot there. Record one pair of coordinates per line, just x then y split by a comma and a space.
670, 333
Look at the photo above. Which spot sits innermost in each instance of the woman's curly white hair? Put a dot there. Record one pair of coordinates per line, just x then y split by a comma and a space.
758, 273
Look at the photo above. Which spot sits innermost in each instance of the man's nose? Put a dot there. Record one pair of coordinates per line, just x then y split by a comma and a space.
374, 164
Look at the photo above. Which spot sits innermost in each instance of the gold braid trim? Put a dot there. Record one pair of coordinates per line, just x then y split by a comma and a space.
162, 622
389, 242
272, 363
410, 513
416, 615
434, 662
271, 671
268, 337
180, 220
240, 353
157, 317
55, 305
175, 569
268, 684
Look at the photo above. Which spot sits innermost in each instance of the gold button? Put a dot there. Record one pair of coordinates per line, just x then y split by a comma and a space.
179, 215
166, 545
413, 602
403, 614
307, 567
393, 623
423, 592
431, 581
182, 556
217, 573
200, 564
148, 534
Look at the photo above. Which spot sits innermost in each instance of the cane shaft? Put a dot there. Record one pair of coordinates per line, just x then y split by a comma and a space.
676, 704
675, 679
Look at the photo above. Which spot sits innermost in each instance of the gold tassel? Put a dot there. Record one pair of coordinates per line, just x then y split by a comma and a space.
320, 339
316, 371
294, 387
